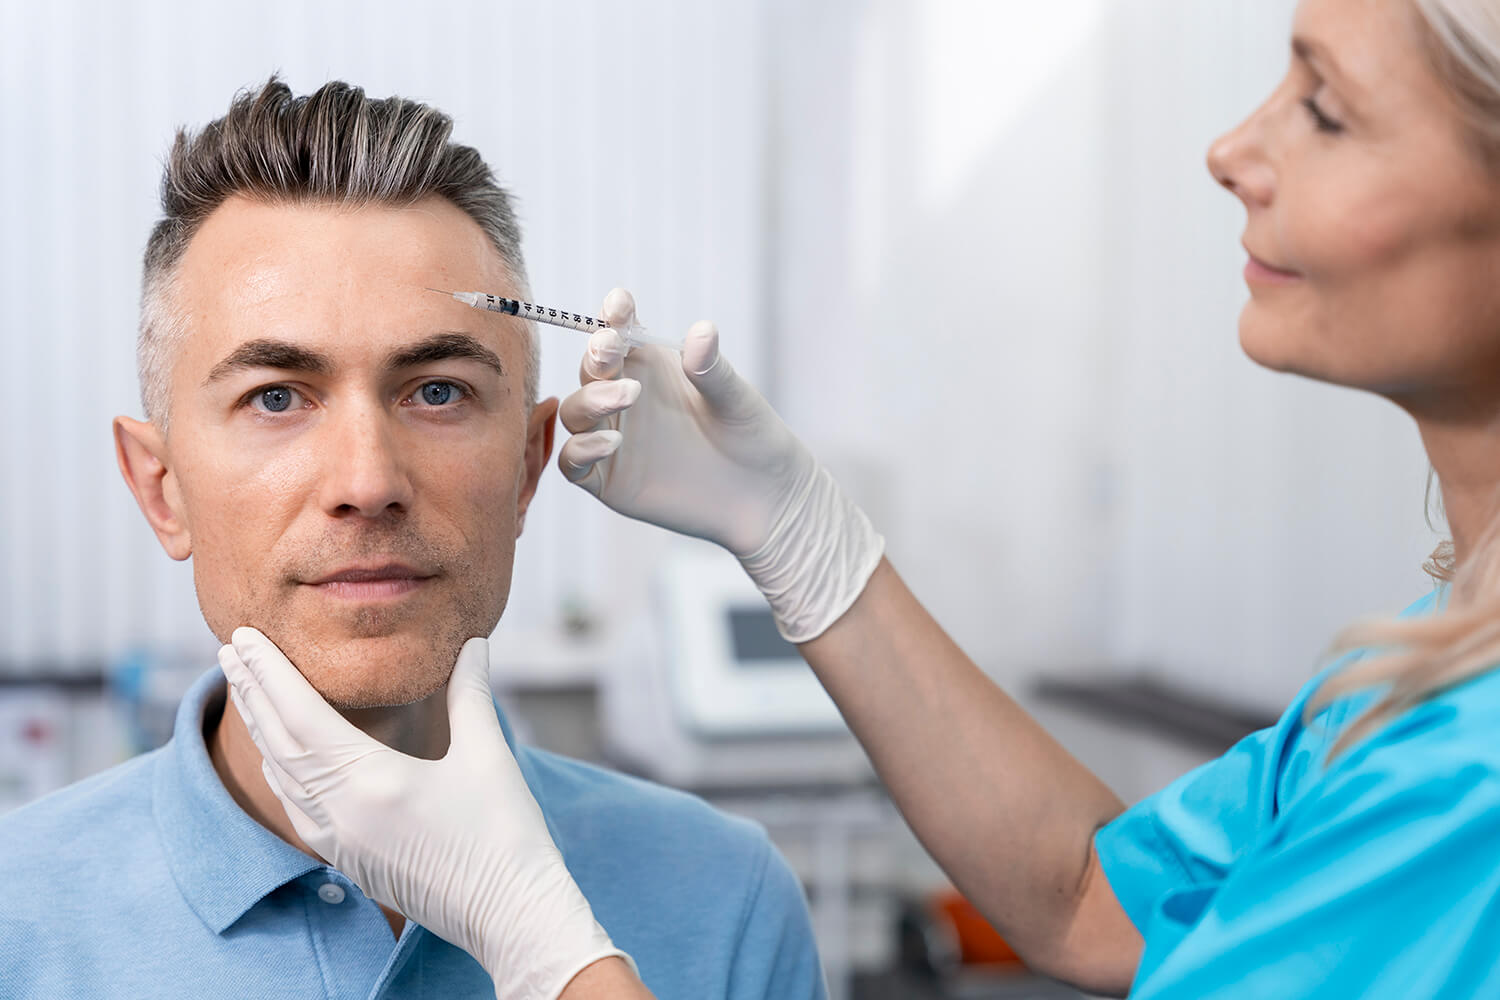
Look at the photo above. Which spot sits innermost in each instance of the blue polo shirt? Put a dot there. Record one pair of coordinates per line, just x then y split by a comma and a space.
1274, 872
149, 881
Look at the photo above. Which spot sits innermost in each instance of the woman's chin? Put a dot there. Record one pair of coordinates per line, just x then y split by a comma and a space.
1266, 343
1282, 345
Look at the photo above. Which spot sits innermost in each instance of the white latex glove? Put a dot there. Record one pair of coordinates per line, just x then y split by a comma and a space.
458, 844
685, 443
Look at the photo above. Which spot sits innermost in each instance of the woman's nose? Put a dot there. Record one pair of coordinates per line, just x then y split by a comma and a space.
1239, 161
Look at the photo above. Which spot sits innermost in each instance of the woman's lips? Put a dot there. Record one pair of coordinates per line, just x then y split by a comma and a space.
1258, 272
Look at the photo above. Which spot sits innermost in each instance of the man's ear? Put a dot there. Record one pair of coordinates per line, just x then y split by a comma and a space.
142, 453
540, 430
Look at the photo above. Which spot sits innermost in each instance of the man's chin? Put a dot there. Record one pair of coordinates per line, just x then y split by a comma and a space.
373, 671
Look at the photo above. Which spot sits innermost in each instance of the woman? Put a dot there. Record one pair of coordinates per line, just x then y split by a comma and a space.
1350, 850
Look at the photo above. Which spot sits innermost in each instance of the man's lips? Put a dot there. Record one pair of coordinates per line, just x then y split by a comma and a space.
371, 583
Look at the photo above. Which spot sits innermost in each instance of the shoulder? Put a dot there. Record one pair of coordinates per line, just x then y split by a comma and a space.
1451, 735
660, 867
91, 821
583, 802
1315, 732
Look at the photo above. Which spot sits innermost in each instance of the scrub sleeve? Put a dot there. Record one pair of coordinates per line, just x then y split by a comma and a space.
1263, 874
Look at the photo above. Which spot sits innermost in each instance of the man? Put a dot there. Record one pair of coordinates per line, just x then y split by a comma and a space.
348, 459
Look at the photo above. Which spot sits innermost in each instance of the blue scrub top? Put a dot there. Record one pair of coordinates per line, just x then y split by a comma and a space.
1271, 873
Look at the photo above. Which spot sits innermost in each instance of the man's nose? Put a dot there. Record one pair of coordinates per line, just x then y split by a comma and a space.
366, 471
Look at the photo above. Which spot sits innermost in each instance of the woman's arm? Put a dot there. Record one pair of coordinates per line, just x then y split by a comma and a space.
1005, 810
609, 979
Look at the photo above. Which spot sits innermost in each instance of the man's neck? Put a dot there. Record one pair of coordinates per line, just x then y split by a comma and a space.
419, 729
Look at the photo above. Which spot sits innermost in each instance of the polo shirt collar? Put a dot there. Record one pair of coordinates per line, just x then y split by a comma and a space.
224, 862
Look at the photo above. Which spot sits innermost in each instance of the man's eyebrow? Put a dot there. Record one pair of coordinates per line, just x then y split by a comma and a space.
444, 347
266, 353
1319, 58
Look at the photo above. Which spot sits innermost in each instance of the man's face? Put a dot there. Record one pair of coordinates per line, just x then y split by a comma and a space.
351, 455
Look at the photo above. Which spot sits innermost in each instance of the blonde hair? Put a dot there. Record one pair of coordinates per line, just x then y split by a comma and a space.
1462, 41
1417, 659
334, 145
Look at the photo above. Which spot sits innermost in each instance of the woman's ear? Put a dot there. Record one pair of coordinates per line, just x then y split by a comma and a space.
144, 462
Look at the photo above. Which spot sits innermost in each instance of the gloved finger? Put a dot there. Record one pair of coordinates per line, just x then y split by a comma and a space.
700, 350
472, 721
250, 724
281, 781
261, 718
581, 454
284, 783
619, 308
711, 373
604, 359
305, 715
277, 776
295, 795
309, 829
587, 408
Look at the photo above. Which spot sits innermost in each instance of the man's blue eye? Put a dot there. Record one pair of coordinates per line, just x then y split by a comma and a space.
276, 399
440, 393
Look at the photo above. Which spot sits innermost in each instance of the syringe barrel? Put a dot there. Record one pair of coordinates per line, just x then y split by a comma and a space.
539, 314
559, 317
496, 303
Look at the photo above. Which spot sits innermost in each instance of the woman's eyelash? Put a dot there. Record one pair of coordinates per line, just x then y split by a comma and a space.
1320, 119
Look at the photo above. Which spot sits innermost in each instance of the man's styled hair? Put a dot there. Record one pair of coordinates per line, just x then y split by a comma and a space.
332, 146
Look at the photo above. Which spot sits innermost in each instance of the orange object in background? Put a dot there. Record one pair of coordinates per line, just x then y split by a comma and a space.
978, 942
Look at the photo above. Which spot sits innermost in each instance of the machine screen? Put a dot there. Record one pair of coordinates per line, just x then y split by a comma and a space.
753, 632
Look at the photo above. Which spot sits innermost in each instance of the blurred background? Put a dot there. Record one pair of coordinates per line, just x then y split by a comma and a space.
968, 249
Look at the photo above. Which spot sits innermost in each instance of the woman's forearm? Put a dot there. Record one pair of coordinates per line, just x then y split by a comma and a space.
606, 979
1008, 813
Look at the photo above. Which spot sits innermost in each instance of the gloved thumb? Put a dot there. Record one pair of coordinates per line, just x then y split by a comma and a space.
471, 704
709, 371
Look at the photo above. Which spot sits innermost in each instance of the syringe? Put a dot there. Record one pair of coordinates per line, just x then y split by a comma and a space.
634, 335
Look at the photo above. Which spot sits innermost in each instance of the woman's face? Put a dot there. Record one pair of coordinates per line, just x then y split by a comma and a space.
1374, 225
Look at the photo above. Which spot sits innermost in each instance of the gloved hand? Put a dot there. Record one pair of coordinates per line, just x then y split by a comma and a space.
457, 844
685, 443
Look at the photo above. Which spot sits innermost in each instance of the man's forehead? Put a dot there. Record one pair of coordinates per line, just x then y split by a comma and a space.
350, 280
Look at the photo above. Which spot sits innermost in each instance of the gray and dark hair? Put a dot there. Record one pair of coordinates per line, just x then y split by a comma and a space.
334, 145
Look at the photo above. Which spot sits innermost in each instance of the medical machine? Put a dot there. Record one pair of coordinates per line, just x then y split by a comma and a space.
732, 674
708, 694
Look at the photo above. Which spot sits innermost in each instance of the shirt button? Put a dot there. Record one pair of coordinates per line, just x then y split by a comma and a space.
330, 893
